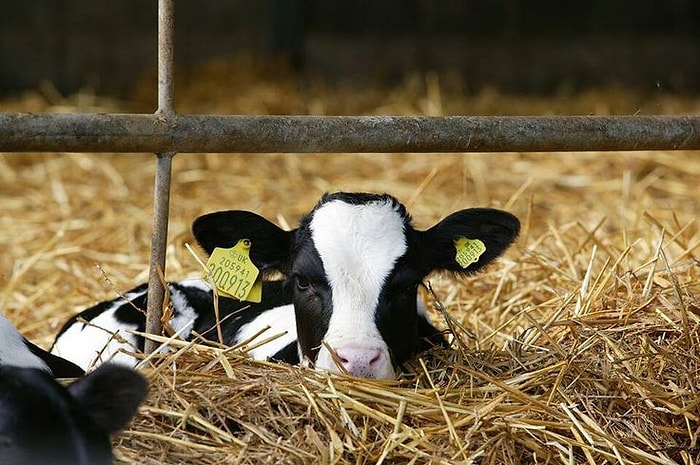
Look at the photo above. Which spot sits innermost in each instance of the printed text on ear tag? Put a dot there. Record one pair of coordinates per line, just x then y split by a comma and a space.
234, 274
468, 251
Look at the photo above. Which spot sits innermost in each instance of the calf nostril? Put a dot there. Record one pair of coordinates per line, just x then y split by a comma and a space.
377, 358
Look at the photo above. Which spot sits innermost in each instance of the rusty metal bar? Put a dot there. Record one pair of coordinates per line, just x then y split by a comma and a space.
161, 195
159, 236
338, 134
166, 57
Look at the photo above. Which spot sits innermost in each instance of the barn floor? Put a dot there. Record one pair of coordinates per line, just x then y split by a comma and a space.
580, 345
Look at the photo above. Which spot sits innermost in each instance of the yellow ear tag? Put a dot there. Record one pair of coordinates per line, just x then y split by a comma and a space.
468, 251
234, 274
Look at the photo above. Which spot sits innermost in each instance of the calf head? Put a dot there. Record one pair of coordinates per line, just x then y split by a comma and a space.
42, 422
353, 267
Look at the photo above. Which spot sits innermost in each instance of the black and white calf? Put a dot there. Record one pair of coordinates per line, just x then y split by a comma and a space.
349, 294
43, 422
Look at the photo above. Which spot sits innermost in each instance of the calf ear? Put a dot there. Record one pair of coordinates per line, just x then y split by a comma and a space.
270, 244
110, 395
495, 229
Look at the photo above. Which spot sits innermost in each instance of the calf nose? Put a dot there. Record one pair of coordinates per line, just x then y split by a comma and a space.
362, 362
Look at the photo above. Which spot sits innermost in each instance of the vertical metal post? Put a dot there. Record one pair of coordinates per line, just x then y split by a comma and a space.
166, 59
161, 195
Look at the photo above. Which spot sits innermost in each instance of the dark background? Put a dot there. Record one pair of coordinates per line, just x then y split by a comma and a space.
526, 46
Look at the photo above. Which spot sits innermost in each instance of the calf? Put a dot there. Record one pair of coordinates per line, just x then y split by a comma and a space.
42, 422
348, 300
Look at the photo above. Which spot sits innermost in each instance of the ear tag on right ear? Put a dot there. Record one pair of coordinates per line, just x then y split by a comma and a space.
468, 251
234, 274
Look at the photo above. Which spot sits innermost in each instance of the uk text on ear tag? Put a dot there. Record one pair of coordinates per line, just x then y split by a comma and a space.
468, 251
234, 274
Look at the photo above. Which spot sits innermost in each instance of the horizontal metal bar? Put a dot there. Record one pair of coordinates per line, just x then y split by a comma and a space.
256, 134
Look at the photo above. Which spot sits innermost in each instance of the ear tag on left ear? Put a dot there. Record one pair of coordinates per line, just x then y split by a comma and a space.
234, 274
468, 251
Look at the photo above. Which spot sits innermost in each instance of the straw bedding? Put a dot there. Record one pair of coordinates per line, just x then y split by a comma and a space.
580, 345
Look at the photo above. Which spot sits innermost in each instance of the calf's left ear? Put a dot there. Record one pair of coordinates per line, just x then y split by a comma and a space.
110, 395
468, 240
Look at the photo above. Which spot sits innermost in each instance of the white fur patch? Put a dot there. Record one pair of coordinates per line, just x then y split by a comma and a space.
183, 313
281, 320
13, 350
359, 246
196, 283
100, 340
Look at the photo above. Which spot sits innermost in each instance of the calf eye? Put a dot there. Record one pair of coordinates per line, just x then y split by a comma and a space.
302, 283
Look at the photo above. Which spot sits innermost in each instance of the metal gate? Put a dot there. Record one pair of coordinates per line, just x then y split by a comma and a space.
167, 133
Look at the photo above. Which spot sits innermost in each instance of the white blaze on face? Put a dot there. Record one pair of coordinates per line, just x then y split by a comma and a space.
359, 246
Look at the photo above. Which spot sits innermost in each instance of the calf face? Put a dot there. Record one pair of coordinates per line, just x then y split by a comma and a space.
42, 422
353, 267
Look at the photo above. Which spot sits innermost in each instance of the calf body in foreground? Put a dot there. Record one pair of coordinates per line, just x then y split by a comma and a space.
42, 422
348, 300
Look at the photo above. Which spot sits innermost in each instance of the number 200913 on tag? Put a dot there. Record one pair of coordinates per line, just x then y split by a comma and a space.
228, 279
232, 274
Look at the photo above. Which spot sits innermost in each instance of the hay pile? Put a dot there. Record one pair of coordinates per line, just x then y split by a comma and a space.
581, 345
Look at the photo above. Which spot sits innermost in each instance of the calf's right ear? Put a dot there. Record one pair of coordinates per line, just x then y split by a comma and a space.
270, 244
